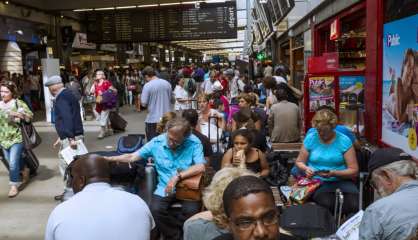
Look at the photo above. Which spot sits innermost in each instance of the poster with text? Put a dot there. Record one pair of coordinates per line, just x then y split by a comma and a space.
400, 84
321, 92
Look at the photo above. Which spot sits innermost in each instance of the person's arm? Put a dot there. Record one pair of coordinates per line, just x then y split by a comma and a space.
145, 96
352, 166
227, 159
370, 227
301, 161
190, 172
265, 170
127, 158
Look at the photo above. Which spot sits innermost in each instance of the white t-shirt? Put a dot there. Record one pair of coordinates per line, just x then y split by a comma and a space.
180, 93
234, 87
207, 86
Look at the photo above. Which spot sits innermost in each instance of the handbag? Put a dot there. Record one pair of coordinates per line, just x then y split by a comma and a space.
190, 189
31, 138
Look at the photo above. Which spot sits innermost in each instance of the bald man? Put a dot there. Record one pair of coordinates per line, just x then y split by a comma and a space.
97, 211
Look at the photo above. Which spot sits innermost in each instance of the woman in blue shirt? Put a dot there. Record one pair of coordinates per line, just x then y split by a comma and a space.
329, 155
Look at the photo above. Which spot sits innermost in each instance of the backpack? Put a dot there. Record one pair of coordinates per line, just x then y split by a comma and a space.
190, 86
130, 143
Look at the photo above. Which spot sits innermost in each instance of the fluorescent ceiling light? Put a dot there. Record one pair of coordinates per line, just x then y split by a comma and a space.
215, 1
192, 2
83, 10
126, 7
169, 4
104, 9
148, 5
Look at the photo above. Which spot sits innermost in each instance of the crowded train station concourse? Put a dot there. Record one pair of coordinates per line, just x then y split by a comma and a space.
209, 119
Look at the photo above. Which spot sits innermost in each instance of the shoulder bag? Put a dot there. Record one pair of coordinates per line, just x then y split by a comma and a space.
30, 136
190, 189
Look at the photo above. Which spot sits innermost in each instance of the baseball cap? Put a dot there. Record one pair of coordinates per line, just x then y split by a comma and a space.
53, 80
385, 156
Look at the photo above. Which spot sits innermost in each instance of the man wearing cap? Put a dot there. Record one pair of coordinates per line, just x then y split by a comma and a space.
395, 215
68, 123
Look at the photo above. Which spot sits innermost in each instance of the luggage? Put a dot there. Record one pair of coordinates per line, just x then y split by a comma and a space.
216, 158
29, 158
122, 173
308, 221
130, 143
117, 123
150, 182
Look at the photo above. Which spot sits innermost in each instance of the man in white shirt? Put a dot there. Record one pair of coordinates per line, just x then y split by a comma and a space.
98, 211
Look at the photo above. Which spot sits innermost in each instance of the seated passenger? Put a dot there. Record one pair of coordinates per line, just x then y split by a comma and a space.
177, 155
284, 120
166, 117
212, 223
250, 209
211, 122
98, 211
253, 158
243, 119
329, 155
246, 100
395, 215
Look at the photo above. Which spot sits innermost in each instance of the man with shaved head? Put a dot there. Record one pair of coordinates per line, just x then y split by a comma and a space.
97, 211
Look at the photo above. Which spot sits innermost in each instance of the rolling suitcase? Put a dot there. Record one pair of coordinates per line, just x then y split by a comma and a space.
117, 123
30, 160
216, 158
150, 182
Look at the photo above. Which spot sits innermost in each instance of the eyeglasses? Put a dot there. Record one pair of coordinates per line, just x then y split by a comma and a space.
247, 223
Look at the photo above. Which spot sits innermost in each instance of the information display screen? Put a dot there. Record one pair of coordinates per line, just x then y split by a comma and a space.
171, 23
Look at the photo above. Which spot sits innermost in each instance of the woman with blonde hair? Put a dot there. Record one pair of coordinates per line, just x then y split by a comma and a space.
329, 155
212, 223
166, 117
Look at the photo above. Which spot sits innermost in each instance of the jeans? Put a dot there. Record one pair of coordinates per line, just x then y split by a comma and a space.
151, 131
169, 224
13, 155
325, 196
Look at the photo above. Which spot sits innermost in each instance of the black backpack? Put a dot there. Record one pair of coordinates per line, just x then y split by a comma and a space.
191, 86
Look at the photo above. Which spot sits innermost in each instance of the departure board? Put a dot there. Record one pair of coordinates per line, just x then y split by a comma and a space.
171, 23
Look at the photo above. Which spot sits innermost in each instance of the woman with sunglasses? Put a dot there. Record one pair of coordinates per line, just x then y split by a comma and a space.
329, 155
12, 112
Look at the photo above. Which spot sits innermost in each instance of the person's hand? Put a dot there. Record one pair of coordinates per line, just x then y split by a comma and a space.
73, 144
56, 143
326, 174
171, 185
16, 114
309, 172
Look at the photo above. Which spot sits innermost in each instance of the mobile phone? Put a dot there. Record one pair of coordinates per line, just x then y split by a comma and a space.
321, 172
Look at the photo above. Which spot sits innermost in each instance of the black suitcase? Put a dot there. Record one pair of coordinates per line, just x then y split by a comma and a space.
30, 159
117, 123
308, 221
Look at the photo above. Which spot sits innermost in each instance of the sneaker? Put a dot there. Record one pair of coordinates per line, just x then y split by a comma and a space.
13, 192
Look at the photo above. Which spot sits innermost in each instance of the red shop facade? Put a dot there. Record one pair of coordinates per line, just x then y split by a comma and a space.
358, 58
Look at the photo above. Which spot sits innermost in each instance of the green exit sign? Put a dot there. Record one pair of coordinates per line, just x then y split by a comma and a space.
261, 56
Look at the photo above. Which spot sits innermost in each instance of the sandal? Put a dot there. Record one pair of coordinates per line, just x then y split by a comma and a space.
13, 192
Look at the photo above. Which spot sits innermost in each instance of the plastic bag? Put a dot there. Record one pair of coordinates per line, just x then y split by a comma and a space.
303, 189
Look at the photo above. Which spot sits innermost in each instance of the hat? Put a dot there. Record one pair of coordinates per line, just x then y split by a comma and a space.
217, 86
385, 156
229, 72
53, 80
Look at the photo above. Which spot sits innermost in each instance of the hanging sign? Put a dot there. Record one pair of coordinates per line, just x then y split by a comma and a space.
335, 30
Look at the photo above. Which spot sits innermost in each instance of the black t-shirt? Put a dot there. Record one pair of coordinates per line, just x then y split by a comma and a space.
207, 147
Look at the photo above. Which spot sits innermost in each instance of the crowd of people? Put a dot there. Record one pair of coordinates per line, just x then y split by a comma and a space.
203, 119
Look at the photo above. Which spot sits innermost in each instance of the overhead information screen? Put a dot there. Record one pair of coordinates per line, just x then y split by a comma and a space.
210, 21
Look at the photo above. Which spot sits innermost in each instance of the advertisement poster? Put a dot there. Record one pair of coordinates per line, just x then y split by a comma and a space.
321, 92
400, 84
351, 90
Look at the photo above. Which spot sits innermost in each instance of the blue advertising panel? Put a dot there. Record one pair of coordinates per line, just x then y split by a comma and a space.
400, 84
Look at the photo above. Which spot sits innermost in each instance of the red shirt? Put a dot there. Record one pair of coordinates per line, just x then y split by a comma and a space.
98, 90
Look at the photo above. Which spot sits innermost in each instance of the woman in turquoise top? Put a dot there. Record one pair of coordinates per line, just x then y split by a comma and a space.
329, 156
12, 112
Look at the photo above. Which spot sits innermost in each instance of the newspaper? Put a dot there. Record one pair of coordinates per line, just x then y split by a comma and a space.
350, 229
68, 153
